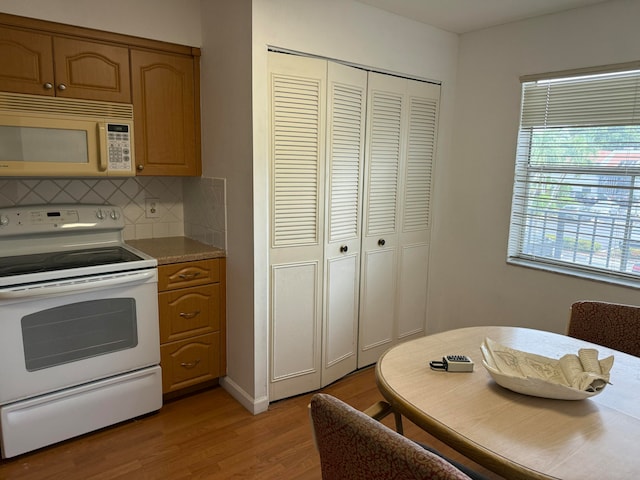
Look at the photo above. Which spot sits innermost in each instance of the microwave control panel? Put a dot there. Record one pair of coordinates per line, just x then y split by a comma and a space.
119, 146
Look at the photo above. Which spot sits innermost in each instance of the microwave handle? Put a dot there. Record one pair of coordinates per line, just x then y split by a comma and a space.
102, 139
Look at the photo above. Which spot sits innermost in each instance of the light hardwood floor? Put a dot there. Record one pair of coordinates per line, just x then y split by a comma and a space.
206, 435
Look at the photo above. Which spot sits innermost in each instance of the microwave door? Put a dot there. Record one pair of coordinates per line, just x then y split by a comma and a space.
63, 137
43, 145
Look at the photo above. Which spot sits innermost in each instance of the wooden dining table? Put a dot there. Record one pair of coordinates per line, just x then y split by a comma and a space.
517, 436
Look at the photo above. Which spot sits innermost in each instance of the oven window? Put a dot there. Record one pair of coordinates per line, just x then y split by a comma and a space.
80, 330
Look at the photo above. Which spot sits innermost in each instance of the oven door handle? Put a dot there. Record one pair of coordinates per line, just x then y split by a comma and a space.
77, 285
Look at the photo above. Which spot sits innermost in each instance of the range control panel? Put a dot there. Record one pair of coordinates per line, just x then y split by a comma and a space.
41, 219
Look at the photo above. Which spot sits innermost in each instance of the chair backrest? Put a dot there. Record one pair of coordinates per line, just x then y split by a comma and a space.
609, 324
354, 446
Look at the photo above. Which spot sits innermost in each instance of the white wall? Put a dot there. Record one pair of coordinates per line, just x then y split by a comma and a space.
348, 31
227, 153
176, 21
470, 282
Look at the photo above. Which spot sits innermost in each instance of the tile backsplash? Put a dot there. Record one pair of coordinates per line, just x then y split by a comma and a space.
130, 194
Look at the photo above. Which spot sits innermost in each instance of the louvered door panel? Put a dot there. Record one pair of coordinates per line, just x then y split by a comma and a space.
297, 134
347, 112
419, 165
346, 107
416, 185
386, 120
384, 158
296, 160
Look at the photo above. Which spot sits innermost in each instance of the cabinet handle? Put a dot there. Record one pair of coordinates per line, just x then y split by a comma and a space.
190, 364
47, 86
189, 276
189, 314
140, 167
344, 249
62, 86
381, 242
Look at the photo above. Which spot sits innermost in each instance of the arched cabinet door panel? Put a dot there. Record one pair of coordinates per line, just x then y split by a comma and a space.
42, 64
166, 113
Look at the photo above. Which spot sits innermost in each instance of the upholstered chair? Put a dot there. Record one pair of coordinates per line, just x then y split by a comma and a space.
608, 324
354, 446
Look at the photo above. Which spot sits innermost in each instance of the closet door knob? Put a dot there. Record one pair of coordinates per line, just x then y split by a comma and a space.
344, 248
48, 86
381, 242
62, 87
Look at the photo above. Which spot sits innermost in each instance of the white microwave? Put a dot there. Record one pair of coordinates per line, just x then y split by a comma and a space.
64, 137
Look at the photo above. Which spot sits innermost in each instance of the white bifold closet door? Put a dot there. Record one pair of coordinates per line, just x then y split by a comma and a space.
400, 142
340, 135
317, 135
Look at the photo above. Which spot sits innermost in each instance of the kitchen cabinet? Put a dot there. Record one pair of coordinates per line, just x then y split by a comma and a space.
166, 113
351, 178
43, 64
161, 80
191, 305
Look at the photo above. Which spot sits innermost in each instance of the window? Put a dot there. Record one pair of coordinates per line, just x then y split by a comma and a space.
576, 199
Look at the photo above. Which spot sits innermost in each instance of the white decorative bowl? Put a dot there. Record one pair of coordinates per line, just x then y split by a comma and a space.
539, 376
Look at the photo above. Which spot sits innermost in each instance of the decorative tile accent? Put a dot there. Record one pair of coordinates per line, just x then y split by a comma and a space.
205, 208
203, 216
128, 193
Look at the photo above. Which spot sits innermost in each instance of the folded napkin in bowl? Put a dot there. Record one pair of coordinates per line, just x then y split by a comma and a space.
570, 377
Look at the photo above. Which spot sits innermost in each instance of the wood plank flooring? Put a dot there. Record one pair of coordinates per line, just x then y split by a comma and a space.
206, 435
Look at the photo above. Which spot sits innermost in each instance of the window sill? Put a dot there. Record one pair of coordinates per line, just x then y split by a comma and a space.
629, 282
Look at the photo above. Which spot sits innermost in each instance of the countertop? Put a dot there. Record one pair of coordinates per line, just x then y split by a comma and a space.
169, 250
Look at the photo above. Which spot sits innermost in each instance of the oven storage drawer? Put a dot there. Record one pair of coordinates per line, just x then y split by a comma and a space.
189, 312
190, 362
40, 421
188, 274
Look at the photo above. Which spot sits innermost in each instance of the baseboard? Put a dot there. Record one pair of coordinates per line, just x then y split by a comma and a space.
255, 406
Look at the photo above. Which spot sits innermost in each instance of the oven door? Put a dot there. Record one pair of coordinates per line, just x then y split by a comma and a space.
55, 335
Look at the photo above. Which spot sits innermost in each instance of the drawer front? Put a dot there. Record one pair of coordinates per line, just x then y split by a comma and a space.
188, 274
190, 362
189, 312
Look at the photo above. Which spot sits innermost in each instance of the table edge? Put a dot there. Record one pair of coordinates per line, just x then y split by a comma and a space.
487, 458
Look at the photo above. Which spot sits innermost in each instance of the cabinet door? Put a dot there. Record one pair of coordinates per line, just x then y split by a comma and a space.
165, 106
27, 62
91, 70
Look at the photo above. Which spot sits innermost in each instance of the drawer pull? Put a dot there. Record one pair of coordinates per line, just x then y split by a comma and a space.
189, 276
190, 364
189, 314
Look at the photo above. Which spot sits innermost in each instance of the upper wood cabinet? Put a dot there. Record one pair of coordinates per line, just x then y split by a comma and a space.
160, 79
166, 113
42, 64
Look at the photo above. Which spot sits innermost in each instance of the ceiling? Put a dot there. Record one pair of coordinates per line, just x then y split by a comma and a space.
462, 16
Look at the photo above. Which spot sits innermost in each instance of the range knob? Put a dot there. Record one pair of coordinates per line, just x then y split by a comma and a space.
100, 214
4, 220
115, 215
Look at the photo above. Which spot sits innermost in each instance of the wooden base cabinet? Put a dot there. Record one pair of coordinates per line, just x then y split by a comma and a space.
192, 323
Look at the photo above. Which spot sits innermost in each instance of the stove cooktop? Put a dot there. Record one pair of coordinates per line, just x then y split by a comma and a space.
47, 262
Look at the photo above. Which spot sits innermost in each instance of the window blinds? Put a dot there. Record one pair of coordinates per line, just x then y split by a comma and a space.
576, 201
